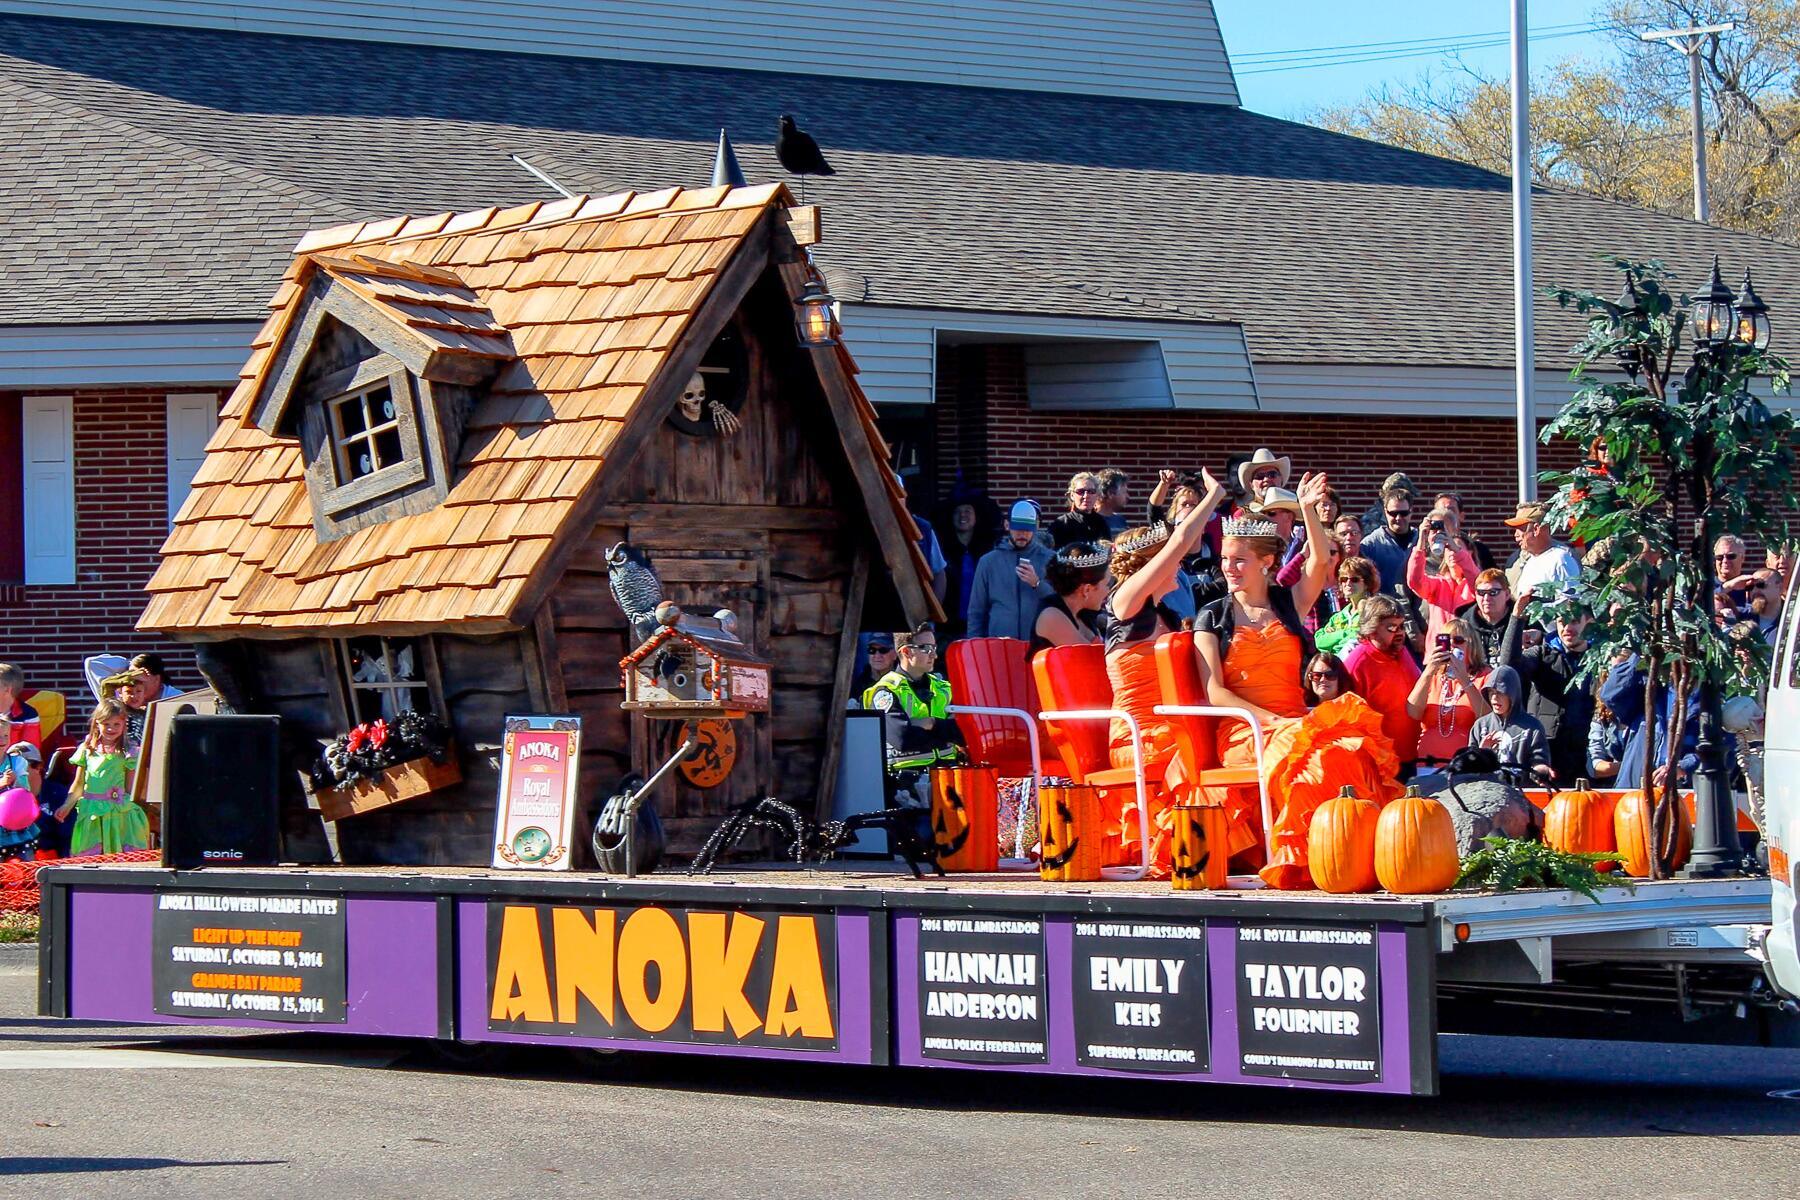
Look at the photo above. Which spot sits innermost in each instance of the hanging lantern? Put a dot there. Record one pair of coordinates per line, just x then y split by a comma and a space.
1752, 329
815, 323
1714, 319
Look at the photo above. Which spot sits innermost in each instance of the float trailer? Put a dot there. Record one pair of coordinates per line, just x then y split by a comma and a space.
853, 965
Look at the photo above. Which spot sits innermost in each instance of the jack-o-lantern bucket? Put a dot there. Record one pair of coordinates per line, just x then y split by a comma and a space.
1071, 829
1200, 847
965, 818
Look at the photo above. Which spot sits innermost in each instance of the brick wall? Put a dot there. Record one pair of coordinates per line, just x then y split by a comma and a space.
121, 518
1033, 453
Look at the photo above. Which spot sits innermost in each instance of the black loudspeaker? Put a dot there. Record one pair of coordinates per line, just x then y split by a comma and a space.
220, 806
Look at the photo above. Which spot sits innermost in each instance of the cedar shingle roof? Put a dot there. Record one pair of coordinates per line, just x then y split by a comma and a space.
586, 297
1328, 249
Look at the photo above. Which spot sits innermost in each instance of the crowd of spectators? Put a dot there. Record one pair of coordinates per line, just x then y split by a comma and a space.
1406, 606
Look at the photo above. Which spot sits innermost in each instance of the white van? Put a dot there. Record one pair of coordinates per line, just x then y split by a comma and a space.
1781, 796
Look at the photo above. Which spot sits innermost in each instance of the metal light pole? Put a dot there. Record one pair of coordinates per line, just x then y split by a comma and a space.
1690, 42
1521, 193
1724, 326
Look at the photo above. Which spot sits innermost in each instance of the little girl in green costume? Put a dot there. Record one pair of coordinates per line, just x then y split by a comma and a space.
107, 820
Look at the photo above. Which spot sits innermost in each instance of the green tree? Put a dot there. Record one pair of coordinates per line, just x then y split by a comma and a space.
1676, 455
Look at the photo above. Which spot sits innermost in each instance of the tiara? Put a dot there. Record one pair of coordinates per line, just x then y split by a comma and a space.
1155, 535
1074, 556
1250, 527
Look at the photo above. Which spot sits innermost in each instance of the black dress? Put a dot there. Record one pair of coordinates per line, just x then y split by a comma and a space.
1085, 618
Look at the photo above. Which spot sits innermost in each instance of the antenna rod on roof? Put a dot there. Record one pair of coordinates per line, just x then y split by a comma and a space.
565, 192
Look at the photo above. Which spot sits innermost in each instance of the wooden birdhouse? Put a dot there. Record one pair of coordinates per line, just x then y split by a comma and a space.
441, 428
695, 668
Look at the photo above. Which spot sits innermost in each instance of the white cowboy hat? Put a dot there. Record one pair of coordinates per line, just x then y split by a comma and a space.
1264, 457
1277, 499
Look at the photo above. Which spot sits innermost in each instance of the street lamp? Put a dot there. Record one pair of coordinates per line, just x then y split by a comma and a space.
1714, 319
1724, 327
1752, 330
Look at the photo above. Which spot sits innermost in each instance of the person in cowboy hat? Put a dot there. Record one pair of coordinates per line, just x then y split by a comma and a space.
1263, 470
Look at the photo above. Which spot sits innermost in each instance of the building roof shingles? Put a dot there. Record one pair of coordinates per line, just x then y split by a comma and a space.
1325, 247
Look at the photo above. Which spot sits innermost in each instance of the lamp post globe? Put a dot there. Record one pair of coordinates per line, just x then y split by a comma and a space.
1714, 318
1751, 329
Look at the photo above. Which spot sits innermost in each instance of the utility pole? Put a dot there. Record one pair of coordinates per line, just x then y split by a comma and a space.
1690, 42
1523, 365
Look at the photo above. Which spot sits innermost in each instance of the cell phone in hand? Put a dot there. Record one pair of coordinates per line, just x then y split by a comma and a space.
1443, 641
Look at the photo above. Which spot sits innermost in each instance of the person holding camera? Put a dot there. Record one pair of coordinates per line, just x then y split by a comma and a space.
1447, 699
1441, 570
1009, 579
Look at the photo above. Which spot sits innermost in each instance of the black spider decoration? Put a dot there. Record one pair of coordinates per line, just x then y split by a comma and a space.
805, 840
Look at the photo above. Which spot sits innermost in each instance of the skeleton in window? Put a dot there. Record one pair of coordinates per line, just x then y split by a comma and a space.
694, 403
372, 668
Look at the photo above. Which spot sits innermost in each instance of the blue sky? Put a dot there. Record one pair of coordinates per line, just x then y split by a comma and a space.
1258, 31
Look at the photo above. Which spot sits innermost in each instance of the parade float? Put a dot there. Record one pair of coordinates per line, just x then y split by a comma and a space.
456, 442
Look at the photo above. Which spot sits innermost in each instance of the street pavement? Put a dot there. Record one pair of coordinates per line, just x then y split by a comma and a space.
89, 1109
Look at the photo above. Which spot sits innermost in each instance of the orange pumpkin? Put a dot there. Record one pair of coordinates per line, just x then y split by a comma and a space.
1631, 832
965, 818
1201, 847
1581, 822
1415, 845
1071, 830
1340, 846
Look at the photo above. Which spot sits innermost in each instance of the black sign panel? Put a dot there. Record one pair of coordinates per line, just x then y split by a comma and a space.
1309, 1002
269, 957
756, 977
981, 988
1140, 995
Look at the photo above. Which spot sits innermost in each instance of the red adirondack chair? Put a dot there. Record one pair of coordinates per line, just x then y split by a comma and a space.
992, 673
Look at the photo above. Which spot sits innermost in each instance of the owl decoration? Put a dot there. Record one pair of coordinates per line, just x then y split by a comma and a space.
636, 588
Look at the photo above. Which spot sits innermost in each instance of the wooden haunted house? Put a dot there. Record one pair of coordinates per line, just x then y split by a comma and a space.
446, 423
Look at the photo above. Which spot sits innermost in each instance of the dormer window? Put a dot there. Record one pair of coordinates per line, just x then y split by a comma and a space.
375, 375
365, 460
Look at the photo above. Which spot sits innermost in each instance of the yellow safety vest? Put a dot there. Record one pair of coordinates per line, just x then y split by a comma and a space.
896, 684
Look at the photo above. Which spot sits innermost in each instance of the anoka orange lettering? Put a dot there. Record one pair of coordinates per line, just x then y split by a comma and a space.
641, 969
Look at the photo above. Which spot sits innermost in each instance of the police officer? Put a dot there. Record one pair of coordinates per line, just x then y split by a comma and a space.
917, 728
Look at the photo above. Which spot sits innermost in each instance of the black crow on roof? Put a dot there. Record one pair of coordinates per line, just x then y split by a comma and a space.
798, 152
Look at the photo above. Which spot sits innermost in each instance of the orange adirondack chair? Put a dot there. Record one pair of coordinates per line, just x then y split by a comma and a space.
1073, 679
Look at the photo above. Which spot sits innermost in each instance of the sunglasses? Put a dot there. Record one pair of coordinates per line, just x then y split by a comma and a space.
1726, 557
881, 649
1490, 591
1084, 491
1459, 641
924, 649
1266, 475
1320, 676
1399, 512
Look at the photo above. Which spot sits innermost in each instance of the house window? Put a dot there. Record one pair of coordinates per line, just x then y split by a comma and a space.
362, 445
365, 432
385, 677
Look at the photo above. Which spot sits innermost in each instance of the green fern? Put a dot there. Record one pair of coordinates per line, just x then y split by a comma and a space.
1507, 864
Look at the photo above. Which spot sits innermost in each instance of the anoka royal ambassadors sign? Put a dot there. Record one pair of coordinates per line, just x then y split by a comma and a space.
757, 978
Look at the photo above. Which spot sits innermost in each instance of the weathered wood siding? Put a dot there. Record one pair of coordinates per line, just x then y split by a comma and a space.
481, 680
1168, 49
763, 522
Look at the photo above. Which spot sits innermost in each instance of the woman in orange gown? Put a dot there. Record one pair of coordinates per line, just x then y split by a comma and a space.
1144, 563
1252, 644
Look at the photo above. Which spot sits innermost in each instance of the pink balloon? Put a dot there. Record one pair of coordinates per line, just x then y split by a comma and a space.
18, 809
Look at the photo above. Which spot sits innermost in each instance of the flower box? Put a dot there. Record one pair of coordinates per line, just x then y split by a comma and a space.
402, 781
